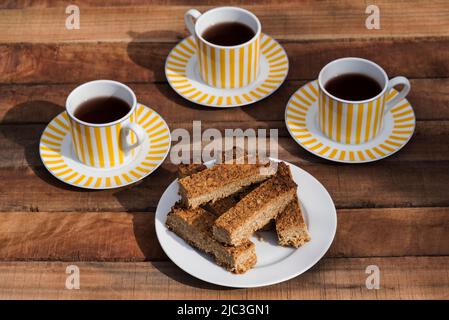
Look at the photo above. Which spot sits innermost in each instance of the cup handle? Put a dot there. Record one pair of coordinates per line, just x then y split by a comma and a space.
391, 84
138, 131
190, 18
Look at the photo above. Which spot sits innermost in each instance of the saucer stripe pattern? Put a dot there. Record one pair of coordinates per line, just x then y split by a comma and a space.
183, 75
57, 154
301, 121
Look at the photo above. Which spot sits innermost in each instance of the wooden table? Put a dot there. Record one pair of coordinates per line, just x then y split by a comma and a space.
392, 213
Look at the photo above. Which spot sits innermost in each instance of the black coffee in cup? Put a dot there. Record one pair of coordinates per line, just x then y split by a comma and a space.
353, 87
228, 34
102, 110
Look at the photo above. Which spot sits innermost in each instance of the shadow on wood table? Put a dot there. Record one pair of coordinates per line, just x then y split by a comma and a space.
31, 146
143, 226
186, 279
142, 51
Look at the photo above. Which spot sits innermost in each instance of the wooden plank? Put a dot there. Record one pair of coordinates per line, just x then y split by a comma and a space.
119, 236
400, 278
24, 4
391, 232
40, 103
86, 236
429, 143
144, 62
381, 184
286, 21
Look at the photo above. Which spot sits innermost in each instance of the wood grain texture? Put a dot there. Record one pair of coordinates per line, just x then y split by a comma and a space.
415, 176
21, 143
302, 20
41, 103
118, 236
137, 61
401, 278
393, 213
72, 236
24, 4
381, 184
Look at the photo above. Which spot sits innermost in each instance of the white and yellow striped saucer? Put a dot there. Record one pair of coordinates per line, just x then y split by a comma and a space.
182, 72
58, 156
301, 119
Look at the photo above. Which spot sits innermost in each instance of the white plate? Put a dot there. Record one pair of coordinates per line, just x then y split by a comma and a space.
59, 158
182, 72
274, 263
301, 119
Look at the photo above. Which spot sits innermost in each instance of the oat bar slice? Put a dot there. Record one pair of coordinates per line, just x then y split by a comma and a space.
185, 170
221, 181
291, 227
194, 226
256, 209
221, 206
234, 154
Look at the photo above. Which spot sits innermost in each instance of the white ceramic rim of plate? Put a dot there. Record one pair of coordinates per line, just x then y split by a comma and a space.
134, 162
237, 91
286, 269
375, 143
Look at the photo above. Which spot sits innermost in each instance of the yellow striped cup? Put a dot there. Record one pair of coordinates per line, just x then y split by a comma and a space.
105, 145
225, 67
355, 122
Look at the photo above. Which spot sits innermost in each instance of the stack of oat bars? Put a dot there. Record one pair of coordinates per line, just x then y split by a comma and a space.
222, 206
